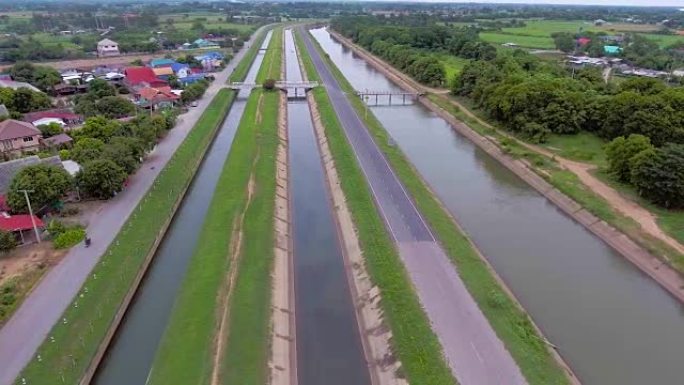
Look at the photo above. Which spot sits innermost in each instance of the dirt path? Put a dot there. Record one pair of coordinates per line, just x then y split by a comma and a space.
234, 268
617, 201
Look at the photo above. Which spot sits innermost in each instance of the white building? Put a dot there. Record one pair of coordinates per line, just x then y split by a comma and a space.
106, 47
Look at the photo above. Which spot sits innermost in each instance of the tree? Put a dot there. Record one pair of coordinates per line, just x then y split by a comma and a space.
87, 149
101, 178
99, 127
114, 107
22, 71
658, 175
620, 151
125, 152
269, 84
45, 78
52, 129
24, 100
7, 241
101, 88
48, 183
564, 41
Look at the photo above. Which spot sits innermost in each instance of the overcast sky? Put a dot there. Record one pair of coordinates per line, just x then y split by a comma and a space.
645, 3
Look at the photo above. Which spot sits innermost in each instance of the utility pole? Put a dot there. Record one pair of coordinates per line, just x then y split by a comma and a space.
33, 221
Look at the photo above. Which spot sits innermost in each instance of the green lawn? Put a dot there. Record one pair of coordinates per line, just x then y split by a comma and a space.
241, 70
453, 65
539, 42
73, 342
510, 323
188, 347
584, 147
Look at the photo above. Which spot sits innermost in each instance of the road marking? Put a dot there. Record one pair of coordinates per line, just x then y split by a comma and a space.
479, 357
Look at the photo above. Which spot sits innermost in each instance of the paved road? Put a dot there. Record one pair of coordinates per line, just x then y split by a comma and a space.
25, 331
472, 349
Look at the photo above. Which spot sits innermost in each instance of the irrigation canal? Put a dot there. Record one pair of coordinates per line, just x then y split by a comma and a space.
613, 324
329, 349
130, 356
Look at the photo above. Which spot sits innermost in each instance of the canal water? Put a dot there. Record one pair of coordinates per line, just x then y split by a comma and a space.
614, 325
329, 349
132, 351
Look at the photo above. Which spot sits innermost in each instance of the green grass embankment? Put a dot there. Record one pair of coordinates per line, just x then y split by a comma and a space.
414, 342
240, 72
186, 354
66, 354
511, 324
247, 348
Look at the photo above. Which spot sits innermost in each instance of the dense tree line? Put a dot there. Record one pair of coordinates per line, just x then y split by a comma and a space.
102, 100
534, 98
412, 49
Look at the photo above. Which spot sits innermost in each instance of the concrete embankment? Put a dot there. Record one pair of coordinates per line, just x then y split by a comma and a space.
654, 267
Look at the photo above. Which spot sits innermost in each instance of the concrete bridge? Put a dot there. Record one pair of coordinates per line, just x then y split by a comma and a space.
382, 97
293, 89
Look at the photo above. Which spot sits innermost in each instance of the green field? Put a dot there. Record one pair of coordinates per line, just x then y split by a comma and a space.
583, 146
537, 33
452, 65
539, 42
73, 342
512, 325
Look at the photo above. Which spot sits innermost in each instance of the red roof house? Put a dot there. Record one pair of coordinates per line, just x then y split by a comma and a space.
156, 97
18, 222
65, 114
142, 77
583, 41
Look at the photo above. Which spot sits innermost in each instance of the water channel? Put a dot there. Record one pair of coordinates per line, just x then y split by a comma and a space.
132, 351
329, 349
614, 325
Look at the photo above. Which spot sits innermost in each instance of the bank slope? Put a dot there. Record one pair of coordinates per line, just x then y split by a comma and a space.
511, 324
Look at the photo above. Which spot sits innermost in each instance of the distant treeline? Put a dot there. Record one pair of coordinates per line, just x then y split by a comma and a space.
413, 49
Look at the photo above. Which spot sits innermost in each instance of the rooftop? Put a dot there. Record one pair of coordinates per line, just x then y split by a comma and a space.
18, 222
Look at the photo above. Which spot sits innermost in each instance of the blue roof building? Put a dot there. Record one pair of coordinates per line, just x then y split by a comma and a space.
162, 62
611, 50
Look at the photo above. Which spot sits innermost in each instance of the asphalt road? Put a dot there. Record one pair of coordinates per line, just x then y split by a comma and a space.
21, 336
471, 347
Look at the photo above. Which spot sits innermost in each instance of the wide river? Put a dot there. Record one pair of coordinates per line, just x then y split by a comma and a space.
613, 325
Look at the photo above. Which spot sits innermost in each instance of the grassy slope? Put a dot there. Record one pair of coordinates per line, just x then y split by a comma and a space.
246, 352
511, 324
186, 353
413, 340
77, 341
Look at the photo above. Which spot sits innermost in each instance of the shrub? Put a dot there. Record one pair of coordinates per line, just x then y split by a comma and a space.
269, 84
69, 238
7, 241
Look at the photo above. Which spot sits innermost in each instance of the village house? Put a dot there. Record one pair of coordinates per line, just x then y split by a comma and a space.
21, 226
17, 136
107, 47
64, 115
156, 98
17, 85
141, 77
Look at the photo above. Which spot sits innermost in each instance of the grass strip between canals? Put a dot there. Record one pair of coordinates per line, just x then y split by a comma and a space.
240, 71
413, 341
186, 354
71, 344
511, 324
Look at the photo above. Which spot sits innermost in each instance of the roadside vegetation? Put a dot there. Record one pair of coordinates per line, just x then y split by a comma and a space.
72, 343
241, 70
233, 258
510, 323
